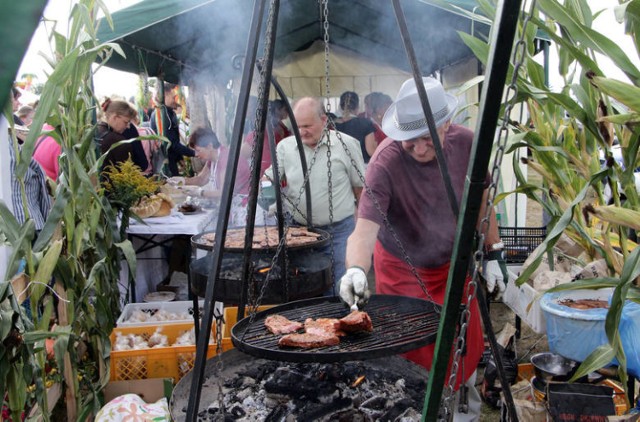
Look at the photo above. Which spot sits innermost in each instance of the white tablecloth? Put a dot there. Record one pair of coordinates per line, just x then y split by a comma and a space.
152, 263
176, 223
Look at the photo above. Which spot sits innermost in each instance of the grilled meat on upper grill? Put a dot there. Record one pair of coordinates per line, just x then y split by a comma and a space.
278, 324
308, 341
355, 322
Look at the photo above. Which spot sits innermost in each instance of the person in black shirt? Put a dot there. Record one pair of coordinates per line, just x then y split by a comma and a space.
360, 128
171, 130
114, 128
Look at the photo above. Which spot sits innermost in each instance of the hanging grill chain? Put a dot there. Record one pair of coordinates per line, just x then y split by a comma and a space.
260, 134
387, 224
258, 137
519, 53
325, 28
219, 317
326, 132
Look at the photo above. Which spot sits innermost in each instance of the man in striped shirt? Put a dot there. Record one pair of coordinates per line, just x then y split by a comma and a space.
38, 201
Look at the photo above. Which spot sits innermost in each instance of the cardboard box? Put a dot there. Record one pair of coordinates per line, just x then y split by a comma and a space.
150, 390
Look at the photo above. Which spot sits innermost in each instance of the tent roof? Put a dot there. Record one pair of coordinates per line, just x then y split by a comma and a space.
177, 39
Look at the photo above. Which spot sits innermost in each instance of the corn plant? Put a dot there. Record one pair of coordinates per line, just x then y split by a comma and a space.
77, 254
568, 140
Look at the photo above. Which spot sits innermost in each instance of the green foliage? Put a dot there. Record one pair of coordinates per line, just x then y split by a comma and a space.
127, 185
564, 140
79, 249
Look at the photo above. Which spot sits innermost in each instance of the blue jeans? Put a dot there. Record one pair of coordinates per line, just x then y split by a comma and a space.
339, 232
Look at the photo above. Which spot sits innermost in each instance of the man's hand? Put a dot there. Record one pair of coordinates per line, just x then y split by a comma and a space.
496, 274
354, 288
193, 190
176, 181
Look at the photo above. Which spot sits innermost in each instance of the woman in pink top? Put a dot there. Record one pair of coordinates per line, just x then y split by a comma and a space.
47, 152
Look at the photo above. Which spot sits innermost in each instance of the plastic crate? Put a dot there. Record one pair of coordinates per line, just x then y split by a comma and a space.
231, 317
519, 242
161, 362
152, 308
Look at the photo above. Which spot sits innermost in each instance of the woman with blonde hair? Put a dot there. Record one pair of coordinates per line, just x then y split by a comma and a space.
117, 117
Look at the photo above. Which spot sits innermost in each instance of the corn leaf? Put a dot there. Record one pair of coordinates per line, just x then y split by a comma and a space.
590, 38
558, 229
598, 359
45, 271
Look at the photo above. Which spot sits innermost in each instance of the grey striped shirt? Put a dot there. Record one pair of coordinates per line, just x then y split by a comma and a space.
38, 199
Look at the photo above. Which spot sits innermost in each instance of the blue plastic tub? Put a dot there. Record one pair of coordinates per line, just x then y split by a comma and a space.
575, 333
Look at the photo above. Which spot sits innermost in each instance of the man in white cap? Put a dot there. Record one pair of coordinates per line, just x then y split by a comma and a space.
408, 189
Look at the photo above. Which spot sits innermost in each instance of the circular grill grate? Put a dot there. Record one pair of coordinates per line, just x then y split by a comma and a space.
400, 324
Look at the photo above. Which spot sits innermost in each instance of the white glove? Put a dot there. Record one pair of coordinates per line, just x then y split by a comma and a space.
495, 278
176, 181
271, 212
354, 288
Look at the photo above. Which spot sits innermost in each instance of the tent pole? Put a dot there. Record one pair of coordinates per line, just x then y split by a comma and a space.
426, 107
225, 208
501, 43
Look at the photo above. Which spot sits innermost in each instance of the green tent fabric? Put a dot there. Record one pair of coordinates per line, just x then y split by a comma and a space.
17, 23
180, 39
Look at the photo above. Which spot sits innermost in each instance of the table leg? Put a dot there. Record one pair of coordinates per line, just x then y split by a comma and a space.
196, 315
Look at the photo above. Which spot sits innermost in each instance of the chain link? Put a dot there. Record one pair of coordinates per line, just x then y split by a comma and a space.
325, 27
519, 53
219, 317
387, 223
258, 137
327, 133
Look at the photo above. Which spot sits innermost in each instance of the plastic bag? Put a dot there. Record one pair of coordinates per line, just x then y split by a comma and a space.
491, 388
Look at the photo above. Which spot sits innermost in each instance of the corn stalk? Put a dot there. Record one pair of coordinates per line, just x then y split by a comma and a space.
79, 249
568, 140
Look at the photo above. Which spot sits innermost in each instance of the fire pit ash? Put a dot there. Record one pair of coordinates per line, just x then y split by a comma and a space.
389, 389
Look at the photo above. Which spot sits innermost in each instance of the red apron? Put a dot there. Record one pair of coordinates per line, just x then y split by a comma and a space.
393, 277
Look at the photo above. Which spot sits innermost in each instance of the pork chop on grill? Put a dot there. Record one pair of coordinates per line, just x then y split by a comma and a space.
355, 322
278, 324
323, 326
308, 341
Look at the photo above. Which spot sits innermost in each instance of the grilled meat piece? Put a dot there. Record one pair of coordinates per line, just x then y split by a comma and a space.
278, 324
308, 341
323, 327
355, 322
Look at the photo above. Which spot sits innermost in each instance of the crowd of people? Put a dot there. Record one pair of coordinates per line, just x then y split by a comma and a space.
387, 147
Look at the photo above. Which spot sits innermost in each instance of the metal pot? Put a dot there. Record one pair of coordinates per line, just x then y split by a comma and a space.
551, 367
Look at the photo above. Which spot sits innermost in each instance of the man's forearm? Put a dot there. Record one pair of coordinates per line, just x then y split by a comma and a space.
361, 243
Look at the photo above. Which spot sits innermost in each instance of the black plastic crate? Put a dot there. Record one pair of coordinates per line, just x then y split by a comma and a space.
519, 242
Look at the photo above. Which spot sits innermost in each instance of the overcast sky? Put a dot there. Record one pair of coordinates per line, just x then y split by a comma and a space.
109, 82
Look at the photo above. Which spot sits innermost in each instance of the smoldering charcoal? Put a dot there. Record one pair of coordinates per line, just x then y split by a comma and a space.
281, 391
